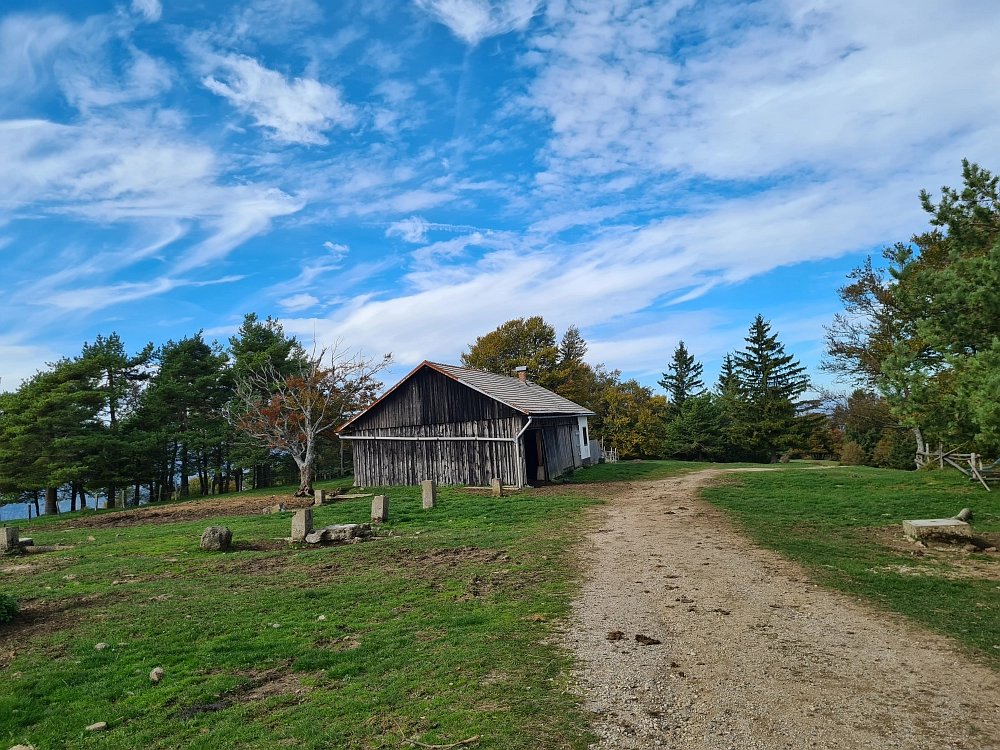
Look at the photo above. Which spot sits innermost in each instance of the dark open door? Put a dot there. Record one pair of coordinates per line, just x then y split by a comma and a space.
534, 457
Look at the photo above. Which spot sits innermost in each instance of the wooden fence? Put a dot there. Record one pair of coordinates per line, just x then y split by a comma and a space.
970, 464
609, 455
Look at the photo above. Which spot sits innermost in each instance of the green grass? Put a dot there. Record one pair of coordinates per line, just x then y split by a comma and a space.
284, 489
429, 631
834, 522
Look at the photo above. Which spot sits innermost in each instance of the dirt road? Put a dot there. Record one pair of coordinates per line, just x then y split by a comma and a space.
753, 655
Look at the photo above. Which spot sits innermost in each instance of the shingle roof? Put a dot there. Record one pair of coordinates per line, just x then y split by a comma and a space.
529, 398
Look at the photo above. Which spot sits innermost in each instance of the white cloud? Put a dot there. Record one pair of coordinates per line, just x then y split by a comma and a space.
413, 229
148, 9
299, 111
475, 20
337, 251
298, 302
789, 86
26, 46
19, 361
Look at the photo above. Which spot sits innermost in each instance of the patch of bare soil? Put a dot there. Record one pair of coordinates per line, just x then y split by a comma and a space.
954, 558
190, 510
40, 616
744, 651
261, 685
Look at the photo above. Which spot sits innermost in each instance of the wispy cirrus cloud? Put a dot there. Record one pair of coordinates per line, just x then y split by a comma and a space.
296, 111
475, 20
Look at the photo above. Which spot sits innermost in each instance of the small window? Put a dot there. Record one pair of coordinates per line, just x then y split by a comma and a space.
585, 441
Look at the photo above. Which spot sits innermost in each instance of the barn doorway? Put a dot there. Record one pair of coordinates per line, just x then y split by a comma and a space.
534, 457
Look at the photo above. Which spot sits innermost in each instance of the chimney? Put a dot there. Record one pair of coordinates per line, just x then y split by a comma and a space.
522, 373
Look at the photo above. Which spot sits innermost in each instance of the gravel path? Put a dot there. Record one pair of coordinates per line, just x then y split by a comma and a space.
753, 654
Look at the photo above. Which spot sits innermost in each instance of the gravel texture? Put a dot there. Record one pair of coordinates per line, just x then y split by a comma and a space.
753, 654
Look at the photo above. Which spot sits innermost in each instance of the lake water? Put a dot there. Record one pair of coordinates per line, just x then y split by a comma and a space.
19, 511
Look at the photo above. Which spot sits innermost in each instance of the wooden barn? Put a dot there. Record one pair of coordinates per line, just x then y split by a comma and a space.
456, 425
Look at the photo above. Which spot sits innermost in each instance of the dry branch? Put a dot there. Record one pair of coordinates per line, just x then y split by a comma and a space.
462, 743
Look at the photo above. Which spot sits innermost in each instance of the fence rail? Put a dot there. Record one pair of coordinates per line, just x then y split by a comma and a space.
970, 464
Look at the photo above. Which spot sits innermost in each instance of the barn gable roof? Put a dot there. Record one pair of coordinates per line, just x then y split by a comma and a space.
527, 398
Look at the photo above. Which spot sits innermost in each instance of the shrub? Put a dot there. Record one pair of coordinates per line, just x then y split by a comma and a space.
852, 454
8, 608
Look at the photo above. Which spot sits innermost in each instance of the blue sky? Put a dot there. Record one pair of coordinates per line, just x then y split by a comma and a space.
407, 175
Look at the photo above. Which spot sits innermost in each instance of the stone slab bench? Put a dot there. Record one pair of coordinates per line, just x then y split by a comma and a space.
936, 527
342, 532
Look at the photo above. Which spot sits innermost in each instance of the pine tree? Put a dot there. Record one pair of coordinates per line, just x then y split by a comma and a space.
683, 377
572, 347
768, 382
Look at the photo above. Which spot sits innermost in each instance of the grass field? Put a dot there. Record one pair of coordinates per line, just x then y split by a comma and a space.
442, 630
843, 524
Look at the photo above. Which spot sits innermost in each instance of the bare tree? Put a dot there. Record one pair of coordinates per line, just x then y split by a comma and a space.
288, 413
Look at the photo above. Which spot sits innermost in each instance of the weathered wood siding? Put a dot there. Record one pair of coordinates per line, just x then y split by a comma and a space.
562, 444
430, 404
390, 462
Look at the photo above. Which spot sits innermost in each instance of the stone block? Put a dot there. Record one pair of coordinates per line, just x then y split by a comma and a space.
319, 497
340, 533
216, 539
936, 527
429, 491
496, 487
302, 524
9, 540
279, 508
380, 509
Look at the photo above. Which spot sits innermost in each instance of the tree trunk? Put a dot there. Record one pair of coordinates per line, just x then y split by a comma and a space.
83, 498
921, 447
72, 497
111, 497
137, 495
51, 501
305, 480
37, 512
184, 471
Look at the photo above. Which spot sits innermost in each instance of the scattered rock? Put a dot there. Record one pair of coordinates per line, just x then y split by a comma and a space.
615, 635
321, 618
216, 539
101, 646
23, 747
156, 675
645, 640
98, 727
91, 539
271, 509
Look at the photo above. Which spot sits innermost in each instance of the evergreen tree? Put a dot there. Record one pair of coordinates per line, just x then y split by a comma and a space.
259, 346
572, 347
683, 377
48, 429
768, 382
695, 433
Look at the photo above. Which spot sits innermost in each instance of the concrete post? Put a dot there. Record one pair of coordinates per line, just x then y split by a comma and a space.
302, 524
9, 540
429, 490
319, 497
380, 509
496, 487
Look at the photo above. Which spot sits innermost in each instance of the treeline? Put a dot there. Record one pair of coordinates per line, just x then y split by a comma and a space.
147, 425
754, 412
919, 337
